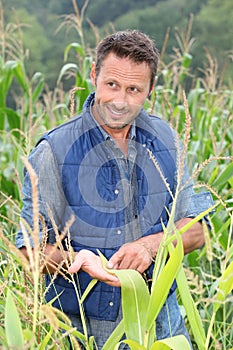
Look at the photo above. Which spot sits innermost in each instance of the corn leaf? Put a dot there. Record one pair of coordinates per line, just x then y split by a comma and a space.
12, 117
37, 79
88, 289
224, 176
8, 70
73, 331
114, 337
46, 339
78, 48
133, 344
225, 286
176, 343
191, 310
21, 77
13, 327
67, 67
230, 253
135, 300
163, 284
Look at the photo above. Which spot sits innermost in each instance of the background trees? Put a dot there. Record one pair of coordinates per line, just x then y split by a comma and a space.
211, 28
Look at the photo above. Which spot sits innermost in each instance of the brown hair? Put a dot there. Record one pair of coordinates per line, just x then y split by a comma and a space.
133, 44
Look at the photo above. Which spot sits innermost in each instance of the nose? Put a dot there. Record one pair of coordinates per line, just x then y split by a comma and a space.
120, 99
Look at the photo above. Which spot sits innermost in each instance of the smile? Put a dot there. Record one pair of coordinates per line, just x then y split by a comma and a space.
118, 113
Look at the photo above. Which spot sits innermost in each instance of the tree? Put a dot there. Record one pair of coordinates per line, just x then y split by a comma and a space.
213, 30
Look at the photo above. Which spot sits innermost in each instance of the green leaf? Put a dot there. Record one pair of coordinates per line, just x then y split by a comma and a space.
74, 332
7, 75
78, 48
176, 343
133, 344
65, 68
2, 117
225, 286
135, 300
21, 77
88, 289
46, 339
187, 59
114, 337
191, 310
12, 117
230, 253
224, 176
14, 332
39, 79
161, 287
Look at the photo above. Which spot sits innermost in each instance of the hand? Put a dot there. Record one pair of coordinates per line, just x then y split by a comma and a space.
87, 261
137, 255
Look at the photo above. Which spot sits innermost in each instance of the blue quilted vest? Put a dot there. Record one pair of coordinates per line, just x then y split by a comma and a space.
92, 186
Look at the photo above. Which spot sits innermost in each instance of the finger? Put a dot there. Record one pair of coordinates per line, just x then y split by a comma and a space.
109, 279
75, 266
114, 261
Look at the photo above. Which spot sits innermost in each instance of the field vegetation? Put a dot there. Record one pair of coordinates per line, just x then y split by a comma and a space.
202, 115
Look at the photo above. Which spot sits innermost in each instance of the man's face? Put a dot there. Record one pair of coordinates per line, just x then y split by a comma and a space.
122, 87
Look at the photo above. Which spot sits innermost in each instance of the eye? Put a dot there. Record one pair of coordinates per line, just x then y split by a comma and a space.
111, 84
133, 89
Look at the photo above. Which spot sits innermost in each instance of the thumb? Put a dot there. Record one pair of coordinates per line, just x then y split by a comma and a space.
114, 261
76, 265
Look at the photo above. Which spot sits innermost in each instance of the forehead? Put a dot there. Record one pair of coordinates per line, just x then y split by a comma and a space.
123, 67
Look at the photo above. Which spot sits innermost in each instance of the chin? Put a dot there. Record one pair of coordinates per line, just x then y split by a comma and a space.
116, 126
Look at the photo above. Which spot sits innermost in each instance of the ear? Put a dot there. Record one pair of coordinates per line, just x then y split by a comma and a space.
93, 74
152, 87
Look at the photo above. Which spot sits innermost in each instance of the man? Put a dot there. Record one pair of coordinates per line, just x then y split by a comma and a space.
98, 167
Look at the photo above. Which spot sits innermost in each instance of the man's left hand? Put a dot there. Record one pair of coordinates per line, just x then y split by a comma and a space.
137, 255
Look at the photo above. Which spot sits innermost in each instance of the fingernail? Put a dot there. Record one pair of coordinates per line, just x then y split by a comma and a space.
110, 265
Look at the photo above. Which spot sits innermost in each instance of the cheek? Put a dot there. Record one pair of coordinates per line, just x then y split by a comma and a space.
102, 95
137, 103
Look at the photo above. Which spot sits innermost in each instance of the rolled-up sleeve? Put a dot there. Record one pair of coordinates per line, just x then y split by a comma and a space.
190, 204
50, 194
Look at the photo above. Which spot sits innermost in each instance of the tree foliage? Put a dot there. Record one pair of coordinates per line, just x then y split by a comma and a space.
211, 27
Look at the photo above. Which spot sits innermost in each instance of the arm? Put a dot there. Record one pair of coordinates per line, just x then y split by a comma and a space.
53, 258
85, 260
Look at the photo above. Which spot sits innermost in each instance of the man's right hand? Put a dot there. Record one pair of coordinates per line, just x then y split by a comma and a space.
89, 262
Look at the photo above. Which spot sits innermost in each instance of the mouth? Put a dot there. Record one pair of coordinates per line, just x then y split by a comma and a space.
117, 113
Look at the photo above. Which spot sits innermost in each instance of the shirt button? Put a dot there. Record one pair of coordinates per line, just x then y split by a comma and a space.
118, 232
111, 303
207, 197
116, 191
143, 145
